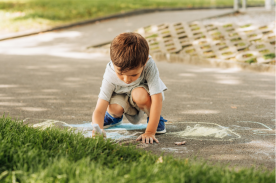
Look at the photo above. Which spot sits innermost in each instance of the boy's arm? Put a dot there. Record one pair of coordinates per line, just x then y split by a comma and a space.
99, 112
155, 112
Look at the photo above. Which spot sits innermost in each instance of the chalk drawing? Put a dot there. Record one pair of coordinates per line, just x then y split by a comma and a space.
206, 131
49, 124
128, 126
123, 126
24, 120
117, 133
236, 127
256, 123
117, 136
263, 130
199, 130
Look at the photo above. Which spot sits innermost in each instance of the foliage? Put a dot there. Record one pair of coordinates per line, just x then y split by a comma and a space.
252, 60
20, 15
269, 56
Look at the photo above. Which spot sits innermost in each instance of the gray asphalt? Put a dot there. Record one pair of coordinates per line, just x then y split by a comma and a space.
49, 76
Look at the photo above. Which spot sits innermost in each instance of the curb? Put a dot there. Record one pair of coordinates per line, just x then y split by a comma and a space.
195, 60
119, 15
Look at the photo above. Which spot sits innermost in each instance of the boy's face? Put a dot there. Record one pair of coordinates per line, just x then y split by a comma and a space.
130, 75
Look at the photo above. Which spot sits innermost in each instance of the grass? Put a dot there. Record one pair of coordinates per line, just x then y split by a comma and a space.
22, 15
54, 155
269, 56
252, 60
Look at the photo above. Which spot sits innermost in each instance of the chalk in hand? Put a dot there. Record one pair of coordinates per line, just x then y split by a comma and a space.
97, 128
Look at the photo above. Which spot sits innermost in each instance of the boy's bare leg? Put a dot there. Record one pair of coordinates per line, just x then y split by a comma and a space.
142, 99
115, 110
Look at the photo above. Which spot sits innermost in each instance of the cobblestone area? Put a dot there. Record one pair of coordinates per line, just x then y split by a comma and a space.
244, 41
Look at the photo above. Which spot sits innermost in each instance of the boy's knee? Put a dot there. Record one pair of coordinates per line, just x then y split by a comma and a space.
140, 96
115, 110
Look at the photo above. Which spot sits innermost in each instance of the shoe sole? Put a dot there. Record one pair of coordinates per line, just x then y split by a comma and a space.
161, 132
108, 126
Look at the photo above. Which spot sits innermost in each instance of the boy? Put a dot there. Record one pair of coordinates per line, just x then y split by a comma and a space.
131, 86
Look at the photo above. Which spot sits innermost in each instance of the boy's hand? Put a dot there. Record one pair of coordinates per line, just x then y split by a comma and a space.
95, 133
147, 138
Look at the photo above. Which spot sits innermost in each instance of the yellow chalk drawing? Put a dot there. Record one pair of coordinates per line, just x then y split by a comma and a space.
207, 131
199, 130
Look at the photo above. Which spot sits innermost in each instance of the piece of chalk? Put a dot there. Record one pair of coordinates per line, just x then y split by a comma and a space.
97, 128
180, 143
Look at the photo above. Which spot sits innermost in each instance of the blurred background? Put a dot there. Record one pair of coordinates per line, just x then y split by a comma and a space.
28, 15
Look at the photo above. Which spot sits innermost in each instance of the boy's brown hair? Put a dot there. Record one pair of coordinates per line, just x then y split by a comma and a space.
129, 51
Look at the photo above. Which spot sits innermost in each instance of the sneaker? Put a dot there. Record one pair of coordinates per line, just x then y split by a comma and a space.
161, 125
110, 121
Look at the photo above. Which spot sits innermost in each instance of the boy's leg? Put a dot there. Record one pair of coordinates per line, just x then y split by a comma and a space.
115, 110
142, 99
113, 115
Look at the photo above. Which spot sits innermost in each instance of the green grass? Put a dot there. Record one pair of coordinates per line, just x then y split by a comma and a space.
269, 56
54, 155
21, 15
252, 60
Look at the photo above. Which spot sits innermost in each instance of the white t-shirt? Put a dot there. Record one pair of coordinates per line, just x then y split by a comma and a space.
149, 76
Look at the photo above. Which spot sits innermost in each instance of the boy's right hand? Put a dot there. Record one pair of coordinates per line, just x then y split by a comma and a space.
95, 133
147, 138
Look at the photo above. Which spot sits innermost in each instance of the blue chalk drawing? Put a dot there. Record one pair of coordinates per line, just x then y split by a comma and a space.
128, 126
112, 135
119, 132
124, 126
263, 131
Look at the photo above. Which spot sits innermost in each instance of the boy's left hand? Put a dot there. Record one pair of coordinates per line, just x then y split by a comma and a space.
147, 138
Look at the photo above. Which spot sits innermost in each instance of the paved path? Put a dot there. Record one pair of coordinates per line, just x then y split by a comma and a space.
47, 76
